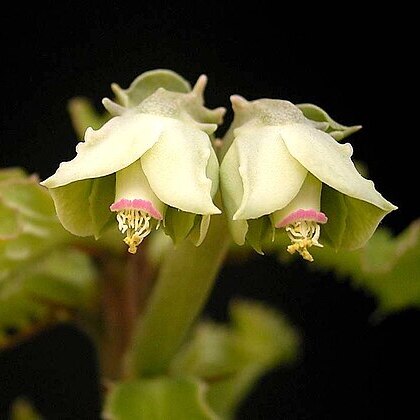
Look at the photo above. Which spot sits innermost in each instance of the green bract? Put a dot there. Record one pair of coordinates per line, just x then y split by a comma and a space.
287, 166
153, 157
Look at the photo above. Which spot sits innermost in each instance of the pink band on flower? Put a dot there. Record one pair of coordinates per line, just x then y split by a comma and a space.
136, 204
301, 214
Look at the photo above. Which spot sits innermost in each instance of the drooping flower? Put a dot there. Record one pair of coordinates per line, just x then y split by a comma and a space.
152, 162
284, 170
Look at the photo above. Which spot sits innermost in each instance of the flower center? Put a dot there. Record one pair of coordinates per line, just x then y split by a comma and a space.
136, 224
136, 205
303, 234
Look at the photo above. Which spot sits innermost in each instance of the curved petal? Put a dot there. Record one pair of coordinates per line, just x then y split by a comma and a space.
271, 177
331, 163
83, 206
352, 221
73, 207
362, 220
120, 142
232, 192
176, 169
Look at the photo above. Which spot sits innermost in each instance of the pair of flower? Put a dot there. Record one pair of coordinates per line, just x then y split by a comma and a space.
154, 163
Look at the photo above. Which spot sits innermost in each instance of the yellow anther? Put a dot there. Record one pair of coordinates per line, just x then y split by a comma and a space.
303, 234
136, 225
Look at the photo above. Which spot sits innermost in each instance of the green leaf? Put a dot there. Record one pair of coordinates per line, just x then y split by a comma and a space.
42, 292
147, 83
158, 399
11, 173
28, 224
66, 278
268, 335
333, 128
28, 198
264, 340
41, 276
231, 359
210, 354
9, 223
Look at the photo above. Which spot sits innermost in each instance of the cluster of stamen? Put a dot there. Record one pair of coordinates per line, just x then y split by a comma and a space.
136, 224
303, 234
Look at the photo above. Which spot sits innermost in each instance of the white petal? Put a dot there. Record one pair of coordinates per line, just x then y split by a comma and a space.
271, 177
212, 172
120, 142
331, 163
176, 169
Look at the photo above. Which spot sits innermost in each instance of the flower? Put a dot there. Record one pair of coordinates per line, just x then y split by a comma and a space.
284, 170
153, 158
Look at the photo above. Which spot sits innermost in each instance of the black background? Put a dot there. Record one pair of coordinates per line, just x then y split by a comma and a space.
358, 66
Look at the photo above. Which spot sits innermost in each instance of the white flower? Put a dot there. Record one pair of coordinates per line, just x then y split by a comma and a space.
281, 164
147, 157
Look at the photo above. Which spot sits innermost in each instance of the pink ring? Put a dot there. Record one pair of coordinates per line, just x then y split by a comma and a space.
136, 204
303, 214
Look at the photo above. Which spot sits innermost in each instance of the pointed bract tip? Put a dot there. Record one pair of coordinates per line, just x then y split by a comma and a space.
354, 129
112, 107
207, 127
238, 102
221, 110
219, 113
115, 87
200, 85
119, 93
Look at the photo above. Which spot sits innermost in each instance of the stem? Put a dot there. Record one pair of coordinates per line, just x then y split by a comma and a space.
184, 283
124, 295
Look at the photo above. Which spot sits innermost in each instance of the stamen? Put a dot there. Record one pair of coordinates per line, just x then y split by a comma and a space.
303, 234
137, 225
